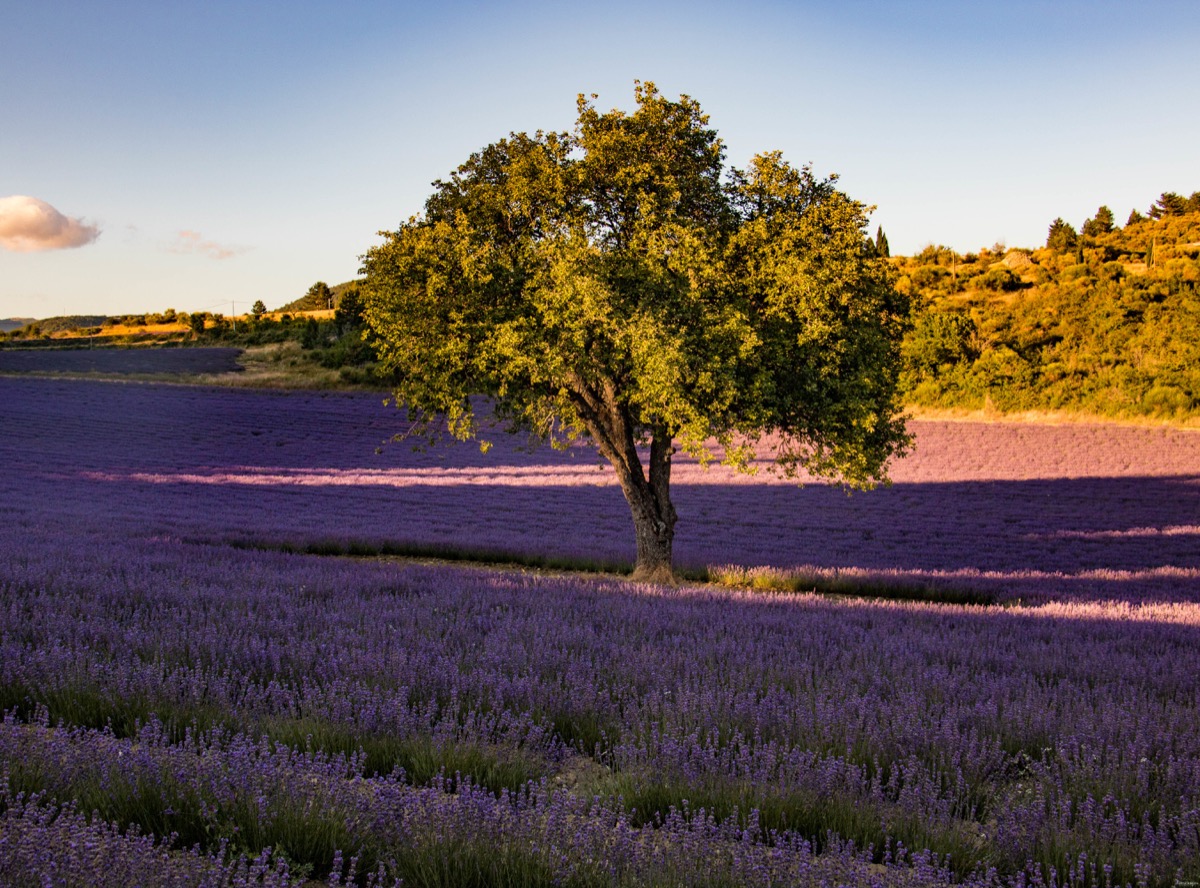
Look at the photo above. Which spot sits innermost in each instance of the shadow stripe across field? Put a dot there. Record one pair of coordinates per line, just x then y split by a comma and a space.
1020, 511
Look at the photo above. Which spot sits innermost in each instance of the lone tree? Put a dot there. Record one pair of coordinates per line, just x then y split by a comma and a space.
618, 284
318, 297
1062, 237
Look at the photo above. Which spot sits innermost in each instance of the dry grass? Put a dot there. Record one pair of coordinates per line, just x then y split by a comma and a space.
278, 365
1043, 417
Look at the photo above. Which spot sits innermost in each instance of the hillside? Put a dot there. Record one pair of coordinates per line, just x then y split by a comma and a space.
1105, 320
9, 324
320, 296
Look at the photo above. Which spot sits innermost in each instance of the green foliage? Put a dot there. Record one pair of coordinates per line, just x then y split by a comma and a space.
619, 284
349, 311
312, 335
1169, 204
258, 309
999, 279
929, 276
1062, 236
1109, 327
46, 326
937, 346
320, 297
1101, 223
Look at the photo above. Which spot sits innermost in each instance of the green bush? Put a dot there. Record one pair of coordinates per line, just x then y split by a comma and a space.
1076, 272
999, 279
929, 275
1167, 401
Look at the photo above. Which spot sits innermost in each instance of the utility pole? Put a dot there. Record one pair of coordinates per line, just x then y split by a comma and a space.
233, 314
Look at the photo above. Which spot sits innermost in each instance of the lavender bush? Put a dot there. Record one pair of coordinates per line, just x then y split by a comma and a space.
181, 707
1011, 739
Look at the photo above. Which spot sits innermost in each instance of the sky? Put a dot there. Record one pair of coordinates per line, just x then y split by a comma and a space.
201, 156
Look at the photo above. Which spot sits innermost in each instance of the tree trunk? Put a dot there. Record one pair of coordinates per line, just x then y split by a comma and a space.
654, 516
654, 540
649, 498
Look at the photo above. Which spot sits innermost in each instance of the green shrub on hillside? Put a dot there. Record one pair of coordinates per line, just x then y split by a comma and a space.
1107, 321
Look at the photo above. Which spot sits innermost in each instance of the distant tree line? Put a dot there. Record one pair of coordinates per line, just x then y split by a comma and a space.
333, 341
1103, 319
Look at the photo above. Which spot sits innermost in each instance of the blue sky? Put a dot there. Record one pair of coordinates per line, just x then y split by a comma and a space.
215, 153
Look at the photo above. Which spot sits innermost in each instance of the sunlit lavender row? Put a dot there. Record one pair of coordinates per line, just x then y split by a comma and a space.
1014, 511
1011, 746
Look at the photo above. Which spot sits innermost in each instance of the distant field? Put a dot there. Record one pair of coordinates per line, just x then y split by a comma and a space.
120, 361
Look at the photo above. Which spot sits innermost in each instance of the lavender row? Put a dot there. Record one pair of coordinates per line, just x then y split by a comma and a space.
1016, 511
301, 805
55, 846
996, 735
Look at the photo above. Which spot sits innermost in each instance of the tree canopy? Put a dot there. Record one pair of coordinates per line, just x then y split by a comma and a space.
619, 284
1062, 236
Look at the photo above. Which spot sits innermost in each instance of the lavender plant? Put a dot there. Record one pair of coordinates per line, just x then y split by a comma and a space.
282, 714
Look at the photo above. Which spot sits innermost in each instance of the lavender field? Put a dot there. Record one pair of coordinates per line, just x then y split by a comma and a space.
1017, 511
183, 710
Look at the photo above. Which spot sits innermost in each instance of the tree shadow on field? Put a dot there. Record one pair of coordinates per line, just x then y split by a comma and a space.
1125, 537
1133, 538
302, 469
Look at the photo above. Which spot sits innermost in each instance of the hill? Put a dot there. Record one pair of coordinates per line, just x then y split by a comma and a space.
9, 324
320, 296
62, 323
1104, 320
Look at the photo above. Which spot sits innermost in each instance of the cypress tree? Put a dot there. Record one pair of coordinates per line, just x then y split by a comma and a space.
881, 244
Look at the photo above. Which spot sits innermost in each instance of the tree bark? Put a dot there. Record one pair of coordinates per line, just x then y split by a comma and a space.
611, 426
654, 515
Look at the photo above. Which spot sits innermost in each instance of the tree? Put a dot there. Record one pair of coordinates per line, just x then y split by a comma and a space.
349, 311
1169, 204
1101, 223
318, 297
881, 244
1062, 236
258, 309
617, 284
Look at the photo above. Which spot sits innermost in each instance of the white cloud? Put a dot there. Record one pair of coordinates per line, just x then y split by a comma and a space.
194, 242
29, 225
